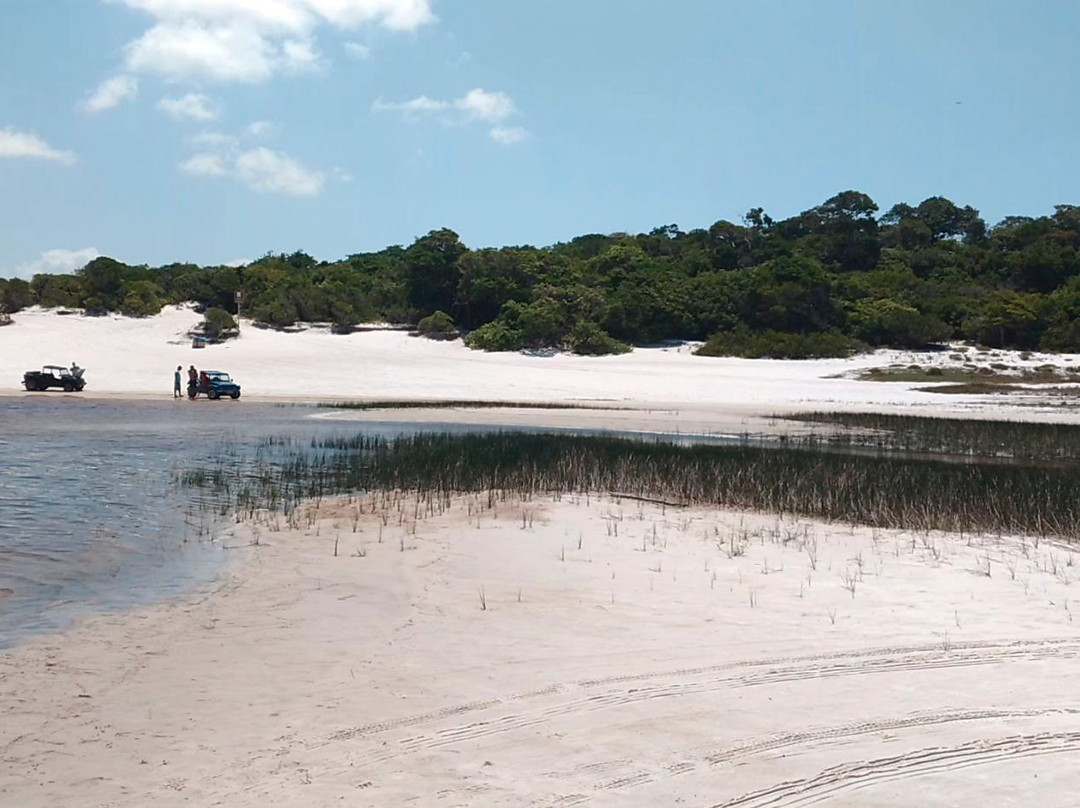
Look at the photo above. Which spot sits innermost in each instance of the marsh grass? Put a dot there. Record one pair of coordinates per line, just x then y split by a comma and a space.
880, 491
1019, 440
458, 404
995, 374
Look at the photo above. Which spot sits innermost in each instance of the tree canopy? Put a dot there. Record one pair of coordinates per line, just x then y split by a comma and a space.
837, 275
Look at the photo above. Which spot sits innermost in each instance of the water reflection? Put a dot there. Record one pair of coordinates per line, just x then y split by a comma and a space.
89, 517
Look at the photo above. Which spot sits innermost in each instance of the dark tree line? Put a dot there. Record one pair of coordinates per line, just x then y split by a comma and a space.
830, 280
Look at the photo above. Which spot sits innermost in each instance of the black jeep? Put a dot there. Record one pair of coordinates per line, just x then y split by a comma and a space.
71, 381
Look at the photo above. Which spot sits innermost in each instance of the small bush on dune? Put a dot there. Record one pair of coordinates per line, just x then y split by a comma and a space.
439, 325
496, 336
141, 299
219, 324
886, 322
590, 339
94, 307
780, 345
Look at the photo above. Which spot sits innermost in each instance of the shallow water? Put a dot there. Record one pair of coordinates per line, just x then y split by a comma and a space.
90, 519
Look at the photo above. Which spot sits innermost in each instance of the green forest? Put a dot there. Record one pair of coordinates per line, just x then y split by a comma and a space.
834, 280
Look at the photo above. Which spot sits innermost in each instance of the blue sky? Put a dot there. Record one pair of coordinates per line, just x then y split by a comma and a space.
218, 130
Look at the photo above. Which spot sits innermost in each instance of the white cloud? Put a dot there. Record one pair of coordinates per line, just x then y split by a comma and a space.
112, 93
419, 104
300, 56
294, 15
188, 50
205, 164
508, 135
261, 129
218, 154
16, 144
477, 105
358, 51
485, 106
56, 262
275, 172
213, 140
260, 169
222, 142
253, 40
341, 175
193, 107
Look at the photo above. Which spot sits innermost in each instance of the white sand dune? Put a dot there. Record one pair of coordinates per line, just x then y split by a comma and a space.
591, 652
136, 358
586, 652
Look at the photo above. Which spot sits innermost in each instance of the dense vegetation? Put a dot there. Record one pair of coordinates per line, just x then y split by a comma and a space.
973, 438
825, 282
882, 491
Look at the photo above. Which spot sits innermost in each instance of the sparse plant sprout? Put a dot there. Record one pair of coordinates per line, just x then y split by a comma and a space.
483, 598
400, 476
850, 580
832, 615
946, 643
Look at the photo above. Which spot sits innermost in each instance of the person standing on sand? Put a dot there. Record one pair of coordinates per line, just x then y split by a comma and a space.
192, 381
176, 382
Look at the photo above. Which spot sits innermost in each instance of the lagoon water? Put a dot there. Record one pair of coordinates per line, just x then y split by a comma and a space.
90, 519
90, 516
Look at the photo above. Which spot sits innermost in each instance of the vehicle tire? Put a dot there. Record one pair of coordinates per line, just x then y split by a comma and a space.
235, 395
69, 387
212, 395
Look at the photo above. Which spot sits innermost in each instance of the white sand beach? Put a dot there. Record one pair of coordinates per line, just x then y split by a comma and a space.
589, 651
135, 358
582, 652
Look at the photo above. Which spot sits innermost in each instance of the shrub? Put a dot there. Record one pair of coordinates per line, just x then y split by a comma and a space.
94, 307
588, 338
496, 336
5, 319
886, 322
141, 299
438, 325
14, 295
219, 324
780, 345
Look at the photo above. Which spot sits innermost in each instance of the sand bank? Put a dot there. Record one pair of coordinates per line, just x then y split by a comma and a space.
134, 358
582, 652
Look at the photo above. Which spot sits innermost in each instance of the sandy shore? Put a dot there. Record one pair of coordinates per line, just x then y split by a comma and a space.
581, 652
135, 359
552, 653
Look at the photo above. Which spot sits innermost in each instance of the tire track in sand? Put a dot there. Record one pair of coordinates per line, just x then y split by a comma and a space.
720, 677
809, 737
932, 760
